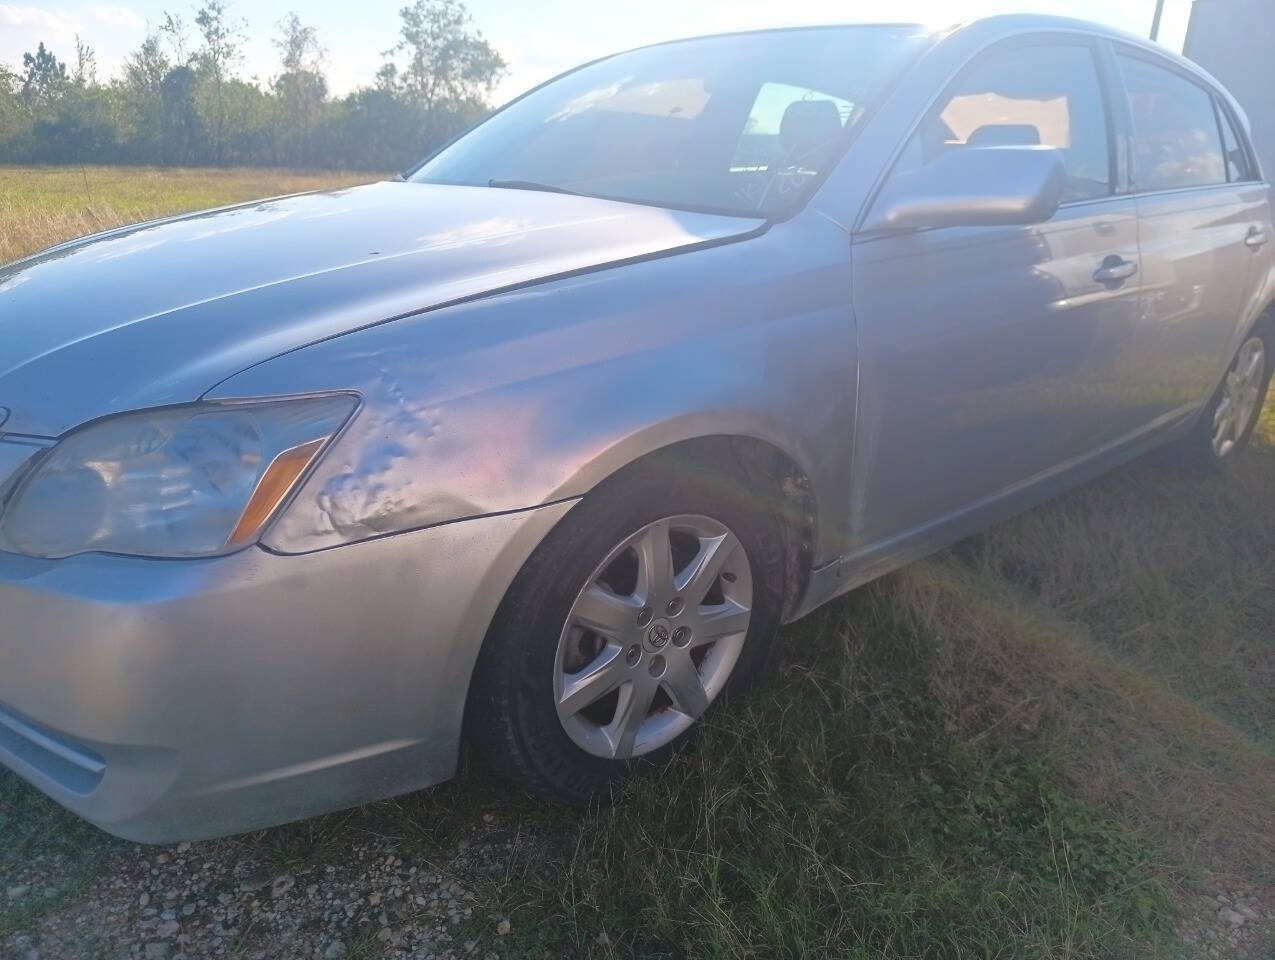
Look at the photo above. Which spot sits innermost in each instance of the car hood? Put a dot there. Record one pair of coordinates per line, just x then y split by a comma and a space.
163, 311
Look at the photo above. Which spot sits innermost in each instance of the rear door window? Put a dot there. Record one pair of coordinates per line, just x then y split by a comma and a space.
1176, 139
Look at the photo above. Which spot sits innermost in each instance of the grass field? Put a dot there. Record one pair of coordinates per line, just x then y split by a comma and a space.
1055, 740
41, 206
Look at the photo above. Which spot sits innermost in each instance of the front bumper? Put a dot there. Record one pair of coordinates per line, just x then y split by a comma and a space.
167, 700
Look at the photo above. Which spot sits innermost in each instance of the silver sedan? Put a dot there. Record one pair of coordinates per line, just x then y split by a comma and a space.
540, 444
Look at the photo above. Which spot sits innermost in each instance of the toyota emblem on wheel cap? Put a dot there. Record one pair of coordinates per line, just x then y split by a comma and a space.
658, 635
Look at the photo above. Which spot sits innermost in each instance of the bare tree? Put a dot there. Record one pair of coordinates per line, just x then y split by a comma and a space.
301, 88
173, 29
218, 54
85, 64
298, 46
222, 38
146, 67
447, 61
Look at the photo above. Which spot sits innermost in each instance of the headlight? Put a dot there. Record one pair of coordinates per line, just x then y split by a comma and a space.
176, 482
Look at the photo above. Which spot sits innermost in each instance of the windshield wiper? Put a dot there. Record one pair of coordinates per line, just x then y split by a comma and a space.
532, 185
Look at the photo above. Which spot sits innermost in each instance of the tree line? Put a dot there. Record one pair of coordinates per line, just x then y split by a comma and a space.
181, 100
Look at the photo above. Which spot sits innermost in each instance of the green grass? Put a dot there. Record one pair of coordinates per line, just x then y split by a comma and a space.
842, 814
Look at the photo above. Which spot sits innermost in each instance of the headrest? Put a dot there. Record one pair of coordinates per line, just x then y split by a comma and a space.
808, 125
1005, 135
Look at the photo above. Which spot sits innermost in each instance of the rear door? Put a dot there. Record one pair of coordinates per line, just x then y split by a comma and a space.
1204, 225
991, 356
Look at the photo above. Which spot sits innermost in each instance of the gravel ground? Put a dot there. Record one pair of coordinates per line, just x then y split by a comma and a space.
393, 880
1231, 923
387, 881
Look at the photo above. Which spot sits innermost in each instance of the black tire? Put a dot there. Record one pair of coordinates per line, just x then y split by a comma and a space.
512, 719
1196, 451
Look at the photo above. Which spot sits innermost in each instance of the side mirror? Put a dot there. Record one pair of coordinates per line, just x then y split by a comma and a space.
974, 186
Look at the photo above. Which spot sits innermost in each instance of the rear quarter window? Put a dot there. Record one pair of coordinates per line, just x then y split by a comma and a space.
1238, 167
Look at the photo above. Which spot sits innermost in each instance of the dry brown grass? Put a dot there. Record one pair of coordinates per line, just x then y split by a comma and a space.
1128, 631
1121, 637
41, 206
1012, 672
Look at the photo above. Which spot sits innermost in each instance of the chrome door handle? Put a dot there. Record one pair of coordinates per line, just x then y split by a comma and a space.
1115, 269
1256, 237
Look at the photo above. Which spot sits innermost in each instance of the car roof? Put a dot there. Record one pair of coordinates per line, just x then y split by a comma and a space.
798, 28
1007, 25
1010, 24
990, 29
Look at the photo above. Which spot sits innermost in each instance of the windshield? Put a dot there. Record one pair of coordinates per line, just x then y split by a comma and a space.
741, 124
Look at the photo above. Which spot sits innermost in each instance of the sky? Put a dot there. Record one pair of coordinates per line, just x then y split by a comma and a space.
538, 39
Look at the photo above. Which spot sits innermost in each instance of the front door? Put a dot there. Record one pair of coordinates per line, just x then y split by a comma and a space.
991, 356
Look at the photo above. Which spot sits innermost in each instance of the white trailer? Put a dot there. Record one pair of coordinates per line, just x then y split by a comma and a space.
1232, 40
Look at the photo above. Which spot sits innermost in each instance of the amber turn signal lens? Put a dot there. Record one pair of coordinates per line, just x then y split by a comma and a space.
271, 489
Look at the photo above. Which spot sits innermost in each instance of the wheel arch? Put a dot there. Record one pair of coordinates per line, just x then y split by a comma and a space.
765, 464
1264, 314
1265, 317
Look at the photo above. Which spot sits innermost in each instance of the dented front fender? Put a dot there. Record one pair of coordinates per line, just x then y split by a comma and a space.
535, 395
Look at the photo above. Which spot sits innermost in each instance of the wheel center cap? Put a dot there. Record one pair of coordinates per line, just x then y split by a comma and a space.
658, 634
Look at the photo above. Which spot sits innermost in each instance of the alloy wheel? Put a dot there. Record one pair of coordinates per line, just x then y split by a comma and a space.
653, 636
1240, 394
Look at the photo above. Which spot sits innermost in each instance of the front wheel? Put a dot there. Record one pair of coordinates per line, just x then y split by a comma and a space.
656, 595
